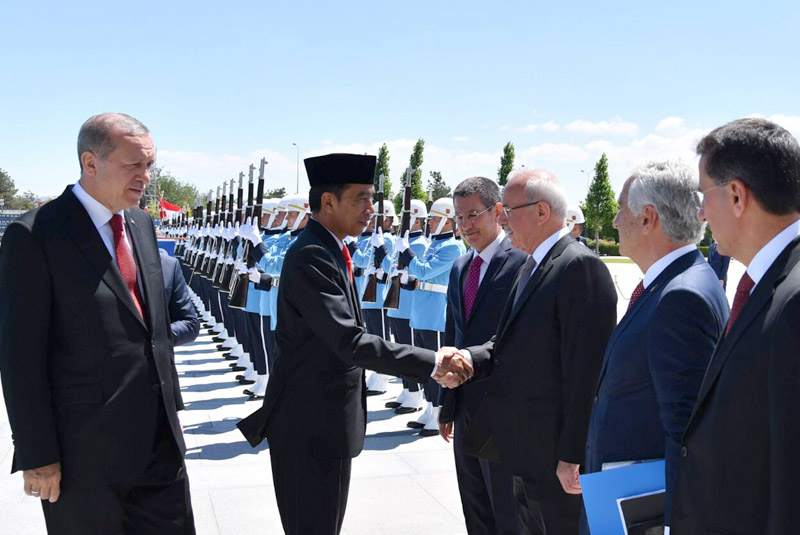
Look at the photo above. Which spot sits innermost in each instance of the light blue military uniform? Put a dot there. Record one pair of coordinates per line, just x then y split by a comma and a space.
272, 263
361, 258
365, 259
269, 240
418, 243
428, 310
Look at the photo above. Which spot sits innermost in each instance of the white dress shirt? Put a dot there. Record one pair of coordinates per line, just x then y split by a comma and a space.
767, 255
664, 262
101, 217
544, 248
488, 253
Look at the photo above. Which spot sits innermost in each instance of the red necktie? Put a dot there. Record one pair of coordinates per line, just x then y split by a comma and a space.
348, 261
125, 261
637, 293
742, 293
471, 288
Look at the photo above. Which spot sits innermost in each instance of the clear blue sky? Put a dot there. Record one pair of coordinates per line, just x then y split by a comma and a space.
222, 84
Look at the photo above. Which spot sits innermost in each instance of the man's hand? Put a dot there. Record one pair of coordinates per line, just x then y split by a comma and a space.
43, 482
376, 240
446, 431
254, 275
569, 476
401, 243
453, 370
251, 232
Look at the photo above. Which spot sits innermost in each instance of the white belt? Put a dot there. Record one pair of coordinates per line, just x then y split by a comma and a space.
274, 282
429, 287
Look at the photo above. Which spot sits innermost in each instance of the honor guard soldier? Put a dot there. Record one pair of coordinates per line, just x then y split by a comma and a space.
429, 306
399, 318
576, 223
361, 255
375, 318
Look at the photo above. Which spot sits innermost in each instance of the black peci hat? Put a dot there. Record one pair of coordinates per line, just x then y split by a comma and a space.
340, 169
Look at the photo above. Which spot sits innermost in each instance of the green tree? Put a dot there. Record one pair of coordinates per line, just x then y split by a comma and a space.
277, 193
7, 189
437, 186
415, 162
382, 168
600, 204
175, 191
506, 164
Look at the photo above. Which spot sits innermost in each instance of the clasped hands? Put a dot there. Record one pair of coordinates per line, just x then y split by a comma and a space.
453, 369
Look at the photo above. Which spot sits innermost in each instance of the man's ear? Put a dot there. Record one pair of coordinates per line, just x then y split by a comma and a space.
89, 161
741, 197
649, 219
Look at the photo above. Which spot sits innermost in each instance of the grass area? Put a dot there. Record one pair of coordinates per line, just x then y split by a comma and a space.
616, 260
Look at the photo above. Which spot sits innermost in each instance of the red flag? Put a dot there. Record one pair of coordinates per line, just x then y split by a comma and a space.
169, 209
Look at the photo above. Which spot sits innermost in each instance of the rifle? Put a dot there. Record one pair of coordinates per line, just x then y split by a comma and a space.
392, 300
240, 285
211, 243
371, 290
216, 265
227, 271
198, 262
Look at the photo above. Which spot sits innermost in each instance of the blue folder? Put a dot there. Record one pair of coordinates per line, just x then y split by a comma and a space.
602, 489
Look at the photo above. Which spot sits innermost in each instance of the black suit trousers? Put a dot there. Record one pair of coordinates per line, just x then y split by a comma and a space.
429, 340
545, 509
311, 493
155, 503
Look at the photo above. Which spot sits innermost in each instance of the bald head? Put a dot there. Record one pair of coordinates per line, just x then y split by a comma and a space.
540, 185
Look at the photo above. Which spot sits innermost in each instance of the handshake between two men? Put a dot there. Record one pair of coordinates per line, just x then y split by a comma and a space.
453, 368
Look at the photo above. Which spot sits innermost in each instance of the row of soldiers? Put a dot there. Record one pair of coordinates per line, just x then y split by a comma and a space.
422, 257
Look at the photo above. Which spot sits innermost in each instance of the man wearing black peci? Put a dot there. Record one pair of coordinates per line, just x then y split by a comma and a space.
321, 348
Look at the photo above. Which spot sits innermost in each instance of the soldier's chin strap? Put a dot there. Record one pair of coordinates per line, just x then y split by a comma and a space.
297, 221
440, 226
414, 220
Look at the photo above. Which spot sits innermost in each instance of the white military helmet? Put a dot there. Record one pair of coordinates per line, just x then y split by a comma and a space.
418, 211
283, 204
299, 204
270, 208
388, 209
442, 208
574, 217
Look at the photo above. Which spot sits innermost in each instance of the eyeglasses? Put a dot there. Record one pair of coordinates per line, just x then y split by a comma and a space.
700, 196
471, 216
507, 210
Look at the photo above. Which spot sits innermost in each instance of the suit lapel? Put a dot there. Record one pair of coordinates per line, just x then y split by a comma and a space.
86, 236
761, 297
138, 240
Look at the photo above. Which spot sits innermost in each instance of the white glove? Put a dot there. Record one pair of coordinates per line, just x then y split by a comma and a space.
403, 276
242, 269
250, 232
236, 229
376, 240
229, 260
254, 275
401, 243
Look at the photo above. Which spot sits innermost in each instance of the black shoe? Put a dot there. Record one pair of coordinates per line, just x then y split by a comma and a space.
428, 433
238, 368
392, 404
415, 425
246, 382
228, 356
218, 340
239, 377
406, 410
220, 347
255, 398
248, 392
375, 392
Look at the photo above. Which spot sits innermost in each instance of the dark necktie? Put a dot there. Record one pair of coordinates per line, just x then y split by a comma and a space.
127, 266
742, 293
637, 293
348, 260
524, 276
471, 288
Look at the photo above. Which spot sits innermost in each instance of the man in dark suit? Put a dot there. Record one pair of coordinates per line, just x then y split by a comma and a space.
86, 356
182, 315
314, 412
543, 363
658, 353
739, 464
480, 282
719, 263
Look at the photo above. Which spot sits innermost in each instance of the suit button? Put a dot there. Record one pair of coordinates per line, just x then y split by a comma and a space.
596, 399
684, 452
153, 344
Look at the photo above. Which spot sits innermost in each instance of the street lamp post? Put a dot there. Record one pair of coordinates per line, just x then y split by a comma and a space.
298, 168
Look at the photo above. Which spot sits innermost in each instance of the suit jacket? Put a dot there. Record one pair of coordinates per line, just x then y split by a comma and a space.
653, 368
183, 318
459, 403
84, 376
543, 363
315, 404
739, 463
719, 263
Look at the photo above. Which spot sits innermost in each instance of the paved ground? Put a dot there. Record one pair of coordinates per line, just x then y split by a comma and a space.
402, 484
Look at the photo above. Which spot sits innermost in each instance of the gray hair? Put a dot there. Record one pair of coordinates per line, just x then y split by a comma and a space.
97, 133
541, 185
488, 189
670, 186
